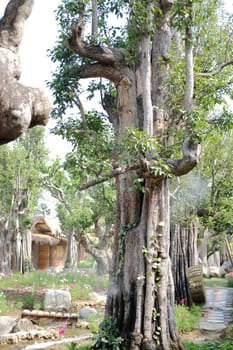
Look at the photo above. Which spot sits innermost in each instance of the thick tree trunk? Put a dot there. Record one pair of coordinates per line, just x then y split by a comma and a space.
141, 295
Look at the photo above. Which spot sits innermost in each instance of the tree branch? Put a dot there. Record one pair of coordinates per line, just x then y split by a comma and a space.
58, 194
106, 177
104, 55
191, 153
95, 70
88, 246
217, 71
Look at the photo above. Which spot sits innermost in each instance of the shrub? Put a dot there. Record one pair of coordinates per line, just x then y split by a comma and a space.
74, 346
229, 277
187, 318
28, 302
94, 320
108, 337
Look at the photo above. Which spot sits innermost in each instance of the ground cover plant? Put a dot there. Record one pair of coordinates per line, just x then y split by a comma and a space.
187, 318
215, 282
229, 278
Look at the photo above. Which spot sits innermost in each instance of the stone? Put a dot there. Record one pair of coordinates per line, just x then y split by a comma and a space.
7, 323
86, 312
57, 300
99, 298
83, 325
23, 324
226, 266
26, 312
40, 313
12, 339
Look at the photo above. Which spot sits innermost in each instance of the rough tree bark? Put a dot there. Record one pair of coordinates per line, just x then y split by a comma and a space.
21, 107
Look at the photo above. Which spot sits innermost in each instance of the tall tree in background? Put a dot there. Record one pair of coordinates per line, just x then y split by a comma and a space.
21, 167
158, 126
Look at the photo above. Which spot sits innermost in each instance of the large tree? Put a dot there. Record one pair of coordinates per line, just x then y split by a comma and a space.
21, 107
151, 67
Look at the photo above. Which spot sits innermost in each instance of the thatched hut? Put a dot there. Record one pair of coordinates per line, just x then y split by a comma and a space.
49, 248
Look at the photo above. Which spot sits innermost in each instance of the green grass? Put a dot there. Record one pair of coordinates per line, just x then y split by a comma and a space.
87, 263
187, 318
94, 321
215, 282
229, 278
74, 346
215, 345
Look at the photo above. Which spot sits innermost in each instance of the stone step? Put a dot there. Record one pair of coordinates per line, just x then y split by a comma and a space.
217, 312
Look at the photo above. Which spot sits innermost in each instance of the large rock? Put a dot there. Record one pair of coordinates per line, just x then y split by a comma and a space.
7, 323
86, 312
23, 325
57, 300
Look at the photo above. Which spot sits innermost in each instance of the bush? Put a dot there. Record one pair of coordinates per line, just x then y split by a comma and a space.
108, 337
28, 302
94, 320
74, 346
229, 278
187, 318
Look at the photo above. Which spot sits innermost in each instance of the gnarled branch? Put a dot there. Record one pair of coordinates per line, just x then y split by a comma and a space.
104, 55
95, 70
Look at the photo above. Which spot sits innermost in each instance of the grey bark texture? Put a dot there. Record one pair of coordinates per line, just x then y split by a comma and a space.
21, 107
